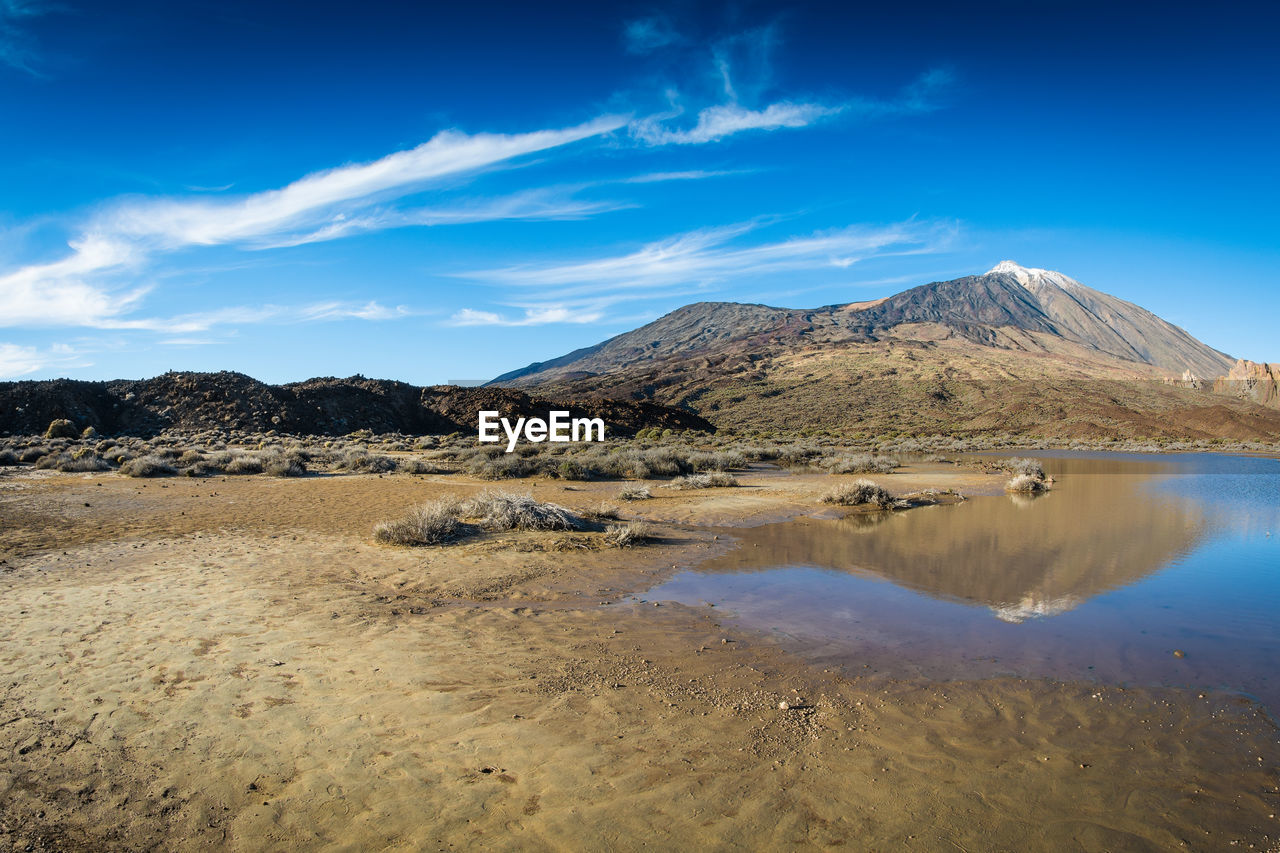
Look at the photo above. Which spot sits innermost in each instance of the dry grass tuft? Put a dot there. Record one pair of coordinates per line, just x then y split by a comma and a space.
359, 461
508, 511
1021, 466
714, 479
859, 493
148, 466
627, 535
429, 524
603, 512
1027, 484
860, 463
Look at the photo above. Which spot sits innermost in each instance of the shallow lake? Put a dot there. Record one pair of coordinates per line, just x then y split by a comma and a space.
1134, 569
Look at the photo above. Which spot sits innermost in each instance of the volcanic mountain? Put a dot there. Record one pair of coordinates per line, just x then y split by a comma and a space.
1016, 349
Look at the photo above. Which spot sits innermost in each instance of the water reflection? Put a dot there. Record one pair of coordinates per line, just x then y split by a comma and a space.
1019, 556
1126, 561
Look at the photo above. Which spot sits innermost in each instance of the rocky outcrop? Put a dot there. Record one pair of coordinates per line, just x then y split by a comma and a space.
1250, 380
324, 406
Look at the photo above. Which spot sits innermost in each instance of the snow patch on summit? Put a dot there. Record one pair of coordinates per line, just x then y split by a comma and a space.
1028, 277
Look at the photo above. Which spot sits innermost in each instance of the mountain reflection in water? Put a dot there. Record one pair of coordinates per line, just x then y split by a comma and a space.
1127, 560
1019, 556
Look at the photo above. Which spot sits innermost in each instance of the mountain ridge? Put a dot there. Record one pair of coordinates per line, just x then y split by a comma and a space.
984, 309
321, 406
1016, 349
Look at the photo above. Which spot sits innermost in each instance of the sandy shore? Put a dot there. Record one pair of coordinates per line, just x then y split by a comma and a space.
232, 662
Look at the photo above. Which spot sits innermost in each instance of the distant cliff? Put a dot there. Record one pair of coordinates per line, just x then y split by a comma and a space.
1250, 380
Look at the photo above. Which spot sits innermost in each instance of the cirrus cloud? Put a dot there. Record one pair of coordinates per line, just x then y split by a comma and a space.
78, 289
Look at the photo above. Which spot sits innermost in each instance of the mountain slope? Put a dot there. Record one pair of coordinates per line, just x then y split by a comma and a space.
1014, 350
1010, 307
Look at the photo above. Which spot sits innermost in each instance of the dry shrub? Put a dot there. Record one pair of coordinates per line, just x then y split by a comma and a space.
634, 492
860, 463
148, 466
714, 479
502, 467
1020, 466
283, 465
508, 511
421, 466
603, 512
359, 461
722, 460
859, 493
83, 462
61, 428
626, 535
572, 469
1026, 484
246, 464
429, 524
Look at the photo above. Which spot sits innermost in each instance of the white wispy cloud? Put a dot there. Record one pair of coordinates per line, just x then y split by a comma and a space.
719, 121
703, 256
77, 290
687, 175
540, 204
16, 49
17, 360
318, 198
695, 262
645, 35
203, 321
538, 316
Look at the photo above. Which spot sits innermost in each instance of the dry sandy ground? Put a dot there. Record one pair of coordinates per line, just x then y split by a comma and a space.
232, 663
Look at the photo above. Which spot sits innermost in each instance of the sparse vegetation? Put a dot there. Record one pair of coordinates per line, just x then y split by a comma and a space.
1018, 465
634, 492
508, 511
284, 465
860, 493
429, 524
148, 466
505, 467
860, 463
572, 469
1027, 484
603, 512
421, 466
246, 464
360, 461
714, 479
61, 428
627, 535
82, 463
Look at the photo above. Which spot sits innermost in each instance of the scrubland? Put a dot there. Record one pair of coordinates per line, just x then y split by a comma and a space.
250, 641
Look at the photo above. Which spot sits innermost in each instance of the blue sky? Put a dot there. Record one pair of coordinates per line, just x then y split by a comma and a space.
425, 193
